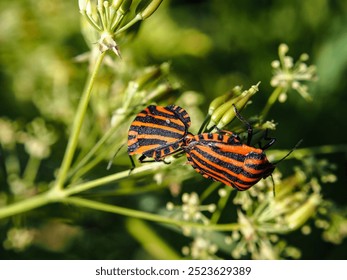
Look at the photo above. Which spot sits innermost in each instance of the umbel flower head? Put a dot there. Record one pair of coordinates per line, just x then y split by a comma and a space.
289, 75
107, 19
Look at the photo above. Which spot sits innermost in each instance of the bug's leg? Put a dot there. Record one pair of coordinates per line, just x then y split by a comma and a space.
132, 164
273, 186
143, 159
226, 132
246, 123
267, 138
114, 156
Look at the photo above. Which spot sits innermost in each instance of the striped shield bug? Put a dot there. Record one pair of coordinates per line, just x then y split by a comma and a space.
158, 131
224, 158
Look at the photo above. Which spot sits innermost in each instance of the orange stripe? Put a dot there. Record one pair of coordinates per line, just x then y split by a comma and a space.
143, 149
241, 150
164, 110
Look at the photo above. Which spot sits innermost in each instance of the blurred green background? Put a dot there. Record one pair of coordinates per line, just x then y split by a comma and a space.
212, 46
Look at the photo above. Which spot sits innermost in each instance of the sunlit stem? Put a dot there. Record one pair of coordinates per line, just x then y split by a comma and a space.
145, 215
77, 123
31, 169
271, 101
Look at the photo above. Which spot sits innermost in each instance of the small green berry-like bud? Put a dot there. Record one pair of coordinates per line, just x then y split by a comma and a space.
116, 4
147, 7
82, 4
220, 112
151, 74
222, 99
246, 96
299, 217
125, 6
225, 113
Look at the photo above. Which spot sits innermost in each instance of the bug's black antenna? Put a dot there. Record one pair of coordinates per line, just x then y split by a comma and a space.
294, 148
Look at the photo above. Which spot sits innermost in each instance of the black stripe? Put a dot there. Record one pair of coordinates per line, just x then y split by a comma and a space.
254, 155
151, 141
144, 130
156, 121
180, 113
153, 110
259, 167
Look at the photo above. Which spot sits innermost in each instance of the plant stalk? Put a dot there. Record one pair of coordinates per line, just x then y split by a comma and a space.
77, 124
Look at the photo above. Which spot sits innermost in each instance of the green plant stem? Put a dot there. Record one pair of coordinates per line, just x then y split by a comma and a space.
34, 202
77, 124
93, 150
150, 240
144, 215
221, 205
56, 194
31, 169
150, 167
208, 191
271, 101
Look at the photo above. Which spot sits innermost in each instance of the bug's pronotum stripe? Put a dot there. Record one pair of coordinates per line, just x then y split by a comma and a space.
158, 131
225, 159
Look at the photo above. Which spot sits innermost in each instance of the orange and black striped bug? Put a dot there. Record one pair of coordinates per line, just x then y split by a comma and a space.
224, 158
157, 132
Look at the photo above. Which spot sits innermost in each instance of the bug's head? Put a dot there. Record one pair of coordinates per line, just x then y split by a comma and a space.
268, 171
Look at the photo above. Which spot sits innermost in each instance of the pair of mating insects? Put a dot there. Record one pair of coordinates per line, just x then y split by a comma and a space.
158, 132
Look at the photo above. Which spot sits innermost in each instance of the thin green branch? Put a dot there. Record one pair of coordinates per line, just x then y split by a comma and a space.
271, 101
221, 206
144, 215
31, 203
157, 247
150, 167
77, 124
31, 170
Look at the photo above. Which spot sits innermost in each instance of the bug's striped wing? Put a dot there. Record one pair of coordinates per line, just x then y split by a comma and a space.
225, 159
158, 131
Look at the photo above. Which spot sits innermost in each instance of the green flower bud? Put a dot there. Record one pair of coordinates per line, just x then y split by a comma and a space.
147, 7
300, 216
125, 6
161, 92
240, 103
116, 4
222, 99
219, 113
225, 113
151, 74
82, 4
